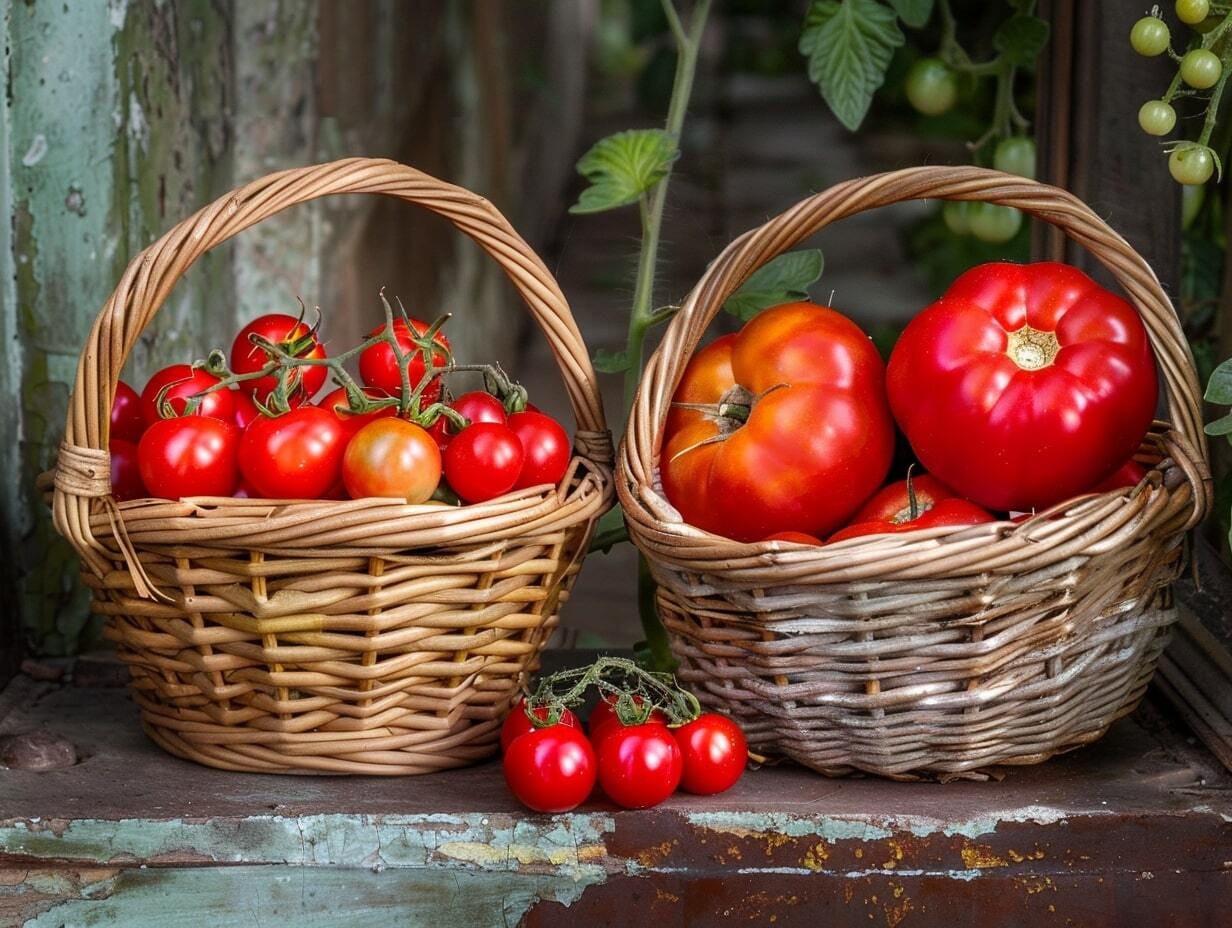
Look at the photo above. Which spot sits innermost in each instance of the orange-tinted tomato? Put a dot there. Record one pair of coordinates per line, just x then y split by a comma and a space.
392, 457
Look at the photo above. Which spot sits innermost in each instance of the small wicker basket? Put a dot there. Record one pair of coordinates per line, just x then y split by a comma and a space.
939, 651
362, 636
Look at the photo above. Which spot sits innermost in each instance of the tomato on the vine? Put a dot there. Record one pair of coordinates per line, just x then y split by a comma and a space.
545, 447
245, 409
890, 511
993, 223
603, 717
798, 432
1015, 155
639, 765
1192, 12
1201, 68
931, 86
550, 769
1192, 164
297, 455
1023, 385
182, 381
293, 336
518, 723
713, 752
378, 365
189, 456
1150, 36
483, 461
475, 406
392, 457
336, 402
1156, 117
125, 470
127, 423
957, 216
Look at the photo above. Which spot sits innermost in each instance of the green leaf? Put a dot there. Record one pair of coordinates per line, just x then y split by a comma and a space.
622, 167
915, 13
1219, 387
1221, 426
849, 46
1021, 38
611, 362
783, 280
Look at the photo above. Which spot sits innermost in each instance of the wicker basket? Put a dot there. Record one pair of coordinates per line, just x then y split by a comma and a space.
363, 636
939, 651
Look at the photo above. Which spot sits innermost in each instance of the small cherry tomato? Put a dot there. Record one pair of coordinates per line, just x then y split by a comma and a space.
714, 751
931, 86
125, 471
475, 406
993, 223
603, 717
189, 456
1192, 12
336, 402
1015, 156
1192, 164
1150, 36
392, 457
378, 366
483, 461
518, 723
292, 336
800, 538
1201, 68
127, 422
639, 765
297, 455
182, 382
245, 409
1156, 117
545, 448
550, 769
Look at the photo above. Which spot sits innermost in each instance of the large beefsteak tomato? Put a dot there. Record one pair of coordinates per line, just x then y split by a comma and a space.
781, 426
1023, 385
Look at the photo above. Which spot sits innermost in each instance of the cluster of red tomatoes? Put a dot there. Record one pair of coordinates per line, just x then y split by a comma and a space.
1022, 387
257, 429
554, 767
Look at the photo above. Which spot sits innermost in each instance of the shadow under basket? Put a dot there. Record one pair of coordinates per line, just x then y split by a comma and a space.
943, 651
358, 636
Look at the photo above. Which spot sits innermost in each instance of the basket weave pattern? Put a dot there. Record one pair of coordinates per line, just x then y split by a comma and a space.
358, 636
939, 651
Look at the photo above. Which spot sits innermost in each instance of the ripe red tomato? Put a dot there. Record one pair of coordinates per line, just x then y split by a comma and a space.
800, 538
392, 457
889, 510
475, 406
336, 402
245, 409
1024, 384
1129, 474
379, 367
289, 333
483, 461
518, 723
125, 471
297, 455
800, 435
639, 765
189, 456
545, 448
550, 769
184, 381
603, 717
127, 423
714, 752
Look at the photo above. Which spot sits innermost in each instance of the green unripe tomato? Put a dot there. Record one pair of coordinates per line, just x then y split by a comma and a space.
1192, 164
1157, 117
932, 87
1015, 156
1150, 36
994, 224
1192, 12
1201, 68
957, 216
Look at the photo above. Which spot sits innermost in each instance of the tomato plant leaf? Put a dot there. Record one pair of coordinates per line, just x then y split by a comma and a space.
849, 45
1021, 38
783, 280
1221, 426
915, 13
1219, 387
622, 167
611, 362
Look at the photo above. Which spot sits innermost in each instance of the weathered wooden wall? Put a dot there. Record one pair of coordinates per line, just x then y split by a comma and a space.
122, 117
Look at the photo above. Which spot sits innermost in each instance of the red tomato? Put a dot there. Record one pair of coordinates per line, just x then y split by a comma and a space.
714, 752
889, 510
189, 456
245, 409
184, 382
297, 455
379, 367
639, 765
127, 422
545, 448
1024, 384
550, 769
483, 461
800, 434
799, 538
1129, 474
518, 723
603, 717
125, 471
245, 491
476, 406
392, 457
288, 333
336, 402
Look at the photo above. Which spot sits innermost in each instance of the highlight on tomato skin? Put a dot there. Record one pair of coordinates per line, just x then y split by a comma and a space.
918, 502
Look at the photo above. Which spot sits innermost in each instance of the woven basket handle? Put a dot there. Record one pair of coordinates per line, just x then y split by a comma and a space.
783, 232
82, 471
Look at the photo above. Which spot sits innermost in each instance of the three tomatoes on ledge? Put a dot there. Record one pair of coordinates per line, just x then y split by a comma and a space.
263, 433
1021, 387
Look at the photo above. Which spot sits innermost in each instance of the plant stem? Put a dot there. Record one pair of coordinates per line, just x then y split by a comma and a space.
656, 635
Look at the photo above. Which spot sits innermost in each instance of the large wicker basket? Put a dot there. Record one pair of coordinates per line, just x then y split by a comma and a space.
939, 651
363, 636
